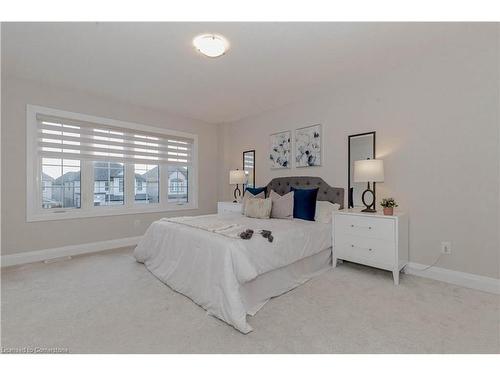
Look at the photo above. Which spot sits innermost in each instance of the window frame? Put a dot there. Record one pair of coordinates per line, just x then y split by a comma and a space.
34, 210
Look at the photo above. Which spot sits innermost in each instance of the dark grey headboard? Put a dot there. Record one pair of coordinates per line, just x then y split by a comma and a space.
282, 185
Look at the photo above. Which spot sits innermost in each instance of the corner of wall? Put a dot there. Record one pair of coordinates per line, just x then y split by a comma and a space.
1, 105
221, 165
498, 142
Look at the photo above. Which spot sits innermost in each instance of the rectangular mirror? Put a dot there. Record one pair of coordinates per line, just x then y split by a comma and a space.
360, 147
249, 167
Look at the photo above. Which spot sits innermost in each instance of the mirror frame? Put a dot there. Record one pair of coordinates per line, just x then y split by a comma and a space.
349, 196
249, 151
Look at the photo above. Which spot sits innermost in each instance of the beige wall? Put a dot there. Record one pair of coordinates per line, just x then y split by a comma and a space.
437, 131
498, 125
0, 137
20, 236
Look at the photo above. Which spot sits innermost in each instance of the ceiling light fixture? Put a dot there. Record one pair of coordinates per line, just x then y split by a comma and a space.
211, 45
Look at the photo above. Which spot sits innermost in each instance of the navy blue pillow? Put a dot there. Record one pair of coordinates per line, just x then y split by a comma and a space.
256, 191
304, 203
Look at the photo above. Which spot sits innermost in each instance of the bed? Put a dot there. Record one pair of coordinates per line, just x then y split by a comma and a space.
203, 258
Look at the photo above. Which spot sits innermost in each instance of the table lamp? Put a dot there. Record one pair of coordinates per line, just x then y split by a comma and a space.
237, 177
369, 170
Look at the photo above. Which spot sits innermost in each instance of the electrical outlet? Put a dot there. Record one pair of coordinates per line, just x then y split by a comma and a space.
446, 247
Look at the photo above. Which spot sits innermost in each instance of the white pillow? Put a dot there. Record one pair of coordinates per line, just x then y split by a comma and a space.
324, 211
258, 208
248, 196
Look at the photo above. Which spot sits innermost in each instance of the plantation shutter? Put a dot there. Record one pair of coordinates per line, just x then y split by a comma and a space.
72, 139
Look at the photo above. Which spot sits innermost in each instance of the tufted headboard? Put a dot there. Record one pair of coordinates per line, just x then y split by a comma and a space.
282, 185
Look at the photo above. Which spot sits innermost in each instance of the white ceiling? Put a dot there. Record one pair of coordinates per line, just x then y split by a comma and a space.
268, 64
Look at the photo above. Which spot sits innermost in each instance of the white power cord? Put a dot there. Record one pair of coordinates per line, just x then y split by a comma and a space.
433, 264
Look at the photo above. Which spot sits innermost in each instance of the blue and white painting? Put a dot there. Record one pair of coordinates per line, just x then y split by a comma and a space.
308, 146
280, 150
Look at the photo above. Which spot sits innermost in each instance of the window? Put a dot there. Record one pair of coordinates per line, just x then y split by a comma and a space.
60, 183
83, 166
147, 183
111, 176
178, 184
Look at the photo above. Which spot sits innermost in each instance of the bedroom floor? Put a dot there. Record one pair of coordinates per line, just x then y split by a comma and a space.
108, 303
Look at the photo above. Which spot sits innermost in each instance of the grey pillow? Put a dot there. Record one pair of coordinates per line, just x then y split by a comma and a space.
282, 205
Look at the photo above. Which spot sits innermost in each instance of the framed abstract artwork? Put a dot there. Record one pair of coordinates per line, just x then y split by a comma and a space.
308, 146
280, 150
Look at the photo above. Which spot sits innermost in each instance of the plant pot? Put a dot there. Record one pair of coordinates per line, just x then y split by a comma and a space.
388, 211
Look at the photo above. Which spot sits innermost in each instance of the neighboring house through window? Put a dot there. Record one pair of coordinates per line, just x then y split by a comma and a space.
177, 184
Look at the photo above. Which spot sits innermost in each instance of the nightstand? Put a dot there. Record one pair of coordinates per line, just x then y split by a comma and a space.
372, 239
227, 207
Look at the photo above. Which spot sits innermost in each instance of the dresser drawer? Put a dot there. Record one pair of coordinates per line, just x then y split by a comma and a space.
376, 251
378, 228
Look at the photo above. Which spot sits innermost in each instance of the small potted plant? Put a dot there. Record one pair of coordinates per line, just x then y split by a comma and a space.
388, 204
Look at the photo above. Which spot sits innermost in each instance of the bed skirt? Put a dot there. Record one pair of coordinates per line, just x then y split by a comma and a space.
257, 292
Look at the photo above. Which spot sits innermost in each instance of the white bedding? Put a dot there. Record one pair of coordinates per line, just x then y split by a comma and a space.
209, 267
210, 223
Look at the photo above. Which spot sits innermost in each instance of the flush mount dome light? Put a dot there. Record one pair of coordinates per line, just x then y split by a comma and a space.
211, 45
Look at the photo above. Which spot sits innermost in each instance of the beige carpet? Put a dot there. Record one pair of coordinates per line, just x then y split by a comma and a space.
108, 303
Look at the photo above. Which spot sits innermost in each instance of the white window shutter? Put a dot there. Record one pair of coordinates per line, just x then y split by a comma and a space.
72, 139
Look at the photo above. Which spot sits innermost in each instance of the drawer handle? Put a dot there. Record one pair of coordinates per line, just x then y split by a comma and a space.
369, 249
360, 226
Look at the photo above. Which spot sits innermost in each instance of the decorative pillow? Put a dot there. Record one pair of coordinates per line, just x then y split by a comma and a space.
304, 203
258, 208
324, 211
248, 195
257, 190
282, 205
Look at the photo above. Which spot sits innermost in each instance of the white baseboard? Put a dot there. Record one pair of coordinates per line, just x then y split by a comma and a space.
41, 255
468, 280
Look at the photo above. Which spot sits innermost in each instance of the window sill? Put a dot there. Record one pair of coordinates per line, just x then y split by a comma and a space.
78, 213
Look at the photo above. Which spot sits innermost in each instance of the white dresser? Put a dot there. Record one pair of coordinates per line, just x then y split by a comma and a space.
226, 207
371, 239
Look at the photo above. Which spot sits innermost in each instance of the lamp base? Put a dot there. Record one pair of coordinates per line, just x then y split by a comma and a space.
369, 207
237, 194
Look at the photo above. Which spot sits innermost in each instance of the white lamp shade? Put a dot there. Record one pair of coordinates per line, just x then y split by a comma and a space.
370, 170
237, 177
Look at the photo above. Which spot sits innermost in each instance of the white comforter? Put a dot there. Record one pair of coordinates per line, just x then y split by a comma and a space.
209, 267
